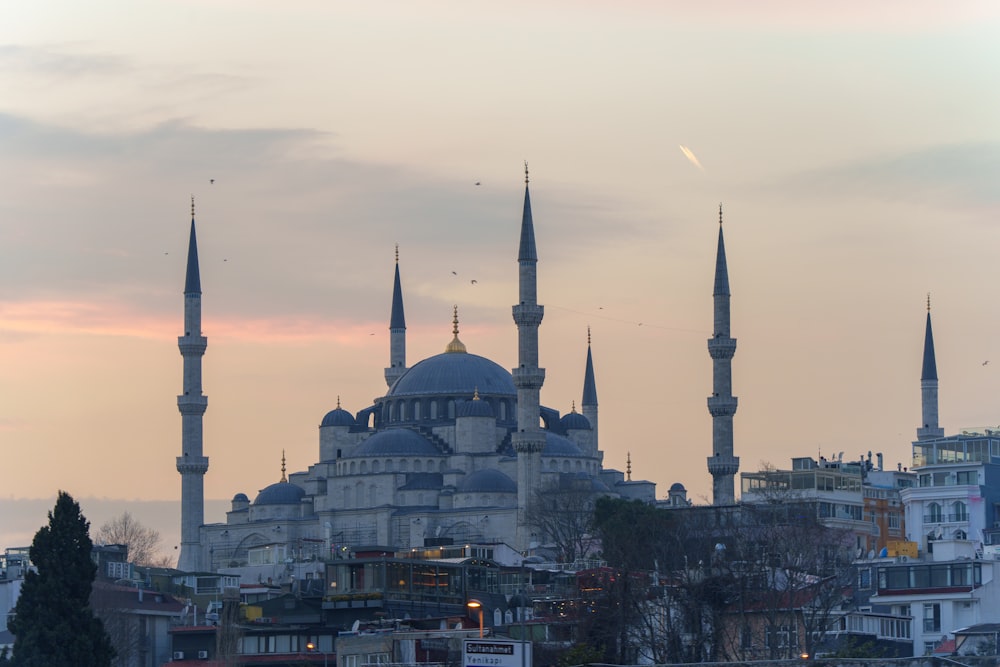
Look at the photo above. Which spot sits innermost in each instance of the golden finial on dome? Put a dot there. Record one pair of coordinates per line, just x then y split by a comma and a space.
192, 207
455, 345
525, 172
283, 478
573, 408
628, 466
475, 394
338, 401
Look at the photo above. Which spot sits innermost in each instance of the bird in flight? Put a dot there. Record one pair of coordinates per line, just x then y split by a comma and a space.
986, 362
477, 182
474, 282
211, 181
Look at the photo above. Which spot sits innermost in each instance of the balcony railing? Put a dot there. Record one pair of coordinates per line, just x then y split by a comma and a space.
946, 518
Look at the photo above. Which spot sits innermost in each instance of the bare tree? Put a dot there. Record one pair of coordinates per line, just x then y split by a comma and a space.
143, 542
563, 515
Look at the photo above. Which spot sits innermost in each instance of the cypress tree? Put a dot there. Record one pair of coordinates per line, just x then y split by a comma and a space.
53, 622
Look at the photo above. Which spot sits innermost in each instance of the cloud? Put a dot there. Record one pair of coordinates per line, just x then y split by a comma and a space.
58, 62
962, 175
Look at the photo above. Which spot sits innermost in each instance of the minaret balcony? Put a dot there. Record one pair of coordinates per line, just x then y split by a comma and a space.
723, 465
528, 378
722, 347
722, 406
192, 404
192, 345
528, 443
197, 465
529, 315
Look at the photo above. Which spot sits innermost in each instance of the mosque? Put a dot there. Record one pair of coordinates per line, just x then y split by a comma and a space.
454, 452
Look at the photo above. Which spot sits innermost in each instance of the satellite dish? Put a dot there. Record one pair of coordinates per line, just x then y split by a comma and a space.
355, 626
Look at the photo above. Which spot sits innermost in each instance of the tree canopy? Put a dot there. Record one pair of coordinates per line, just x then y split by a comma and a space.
143, 542
53, 623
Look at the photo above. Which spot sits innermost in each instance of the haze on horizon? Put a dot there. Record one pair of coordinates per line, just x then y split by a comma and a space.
855, 149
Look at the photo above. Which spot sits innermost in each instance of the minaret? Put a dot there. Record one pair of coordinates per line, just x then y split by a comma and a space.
397, 332
589, 403
528, 440
722, 465
192, 465
929, 386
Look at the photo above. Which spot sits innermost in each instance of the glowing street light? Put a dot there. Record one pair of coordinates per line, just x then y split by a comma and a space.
312, 647
476, 604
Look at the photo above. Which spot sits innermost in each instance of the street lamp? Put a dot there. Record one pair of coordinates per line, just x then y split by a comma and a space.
312, 647
476, 604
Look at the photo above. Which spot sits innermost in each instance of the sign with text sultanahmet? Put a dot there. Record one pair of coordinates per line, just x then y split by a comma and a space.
496, 653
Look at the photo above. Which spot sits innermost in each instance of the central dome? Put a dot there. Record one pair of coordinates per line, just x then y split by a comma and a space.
454, 374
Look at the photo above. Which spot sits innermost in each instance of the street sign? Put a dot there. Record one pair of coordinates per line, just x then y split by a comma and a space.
496, 653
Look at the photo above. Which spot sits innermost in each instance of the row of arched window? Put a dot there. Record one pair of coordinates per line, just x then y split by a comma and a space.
936, 513
416, 409
363, 467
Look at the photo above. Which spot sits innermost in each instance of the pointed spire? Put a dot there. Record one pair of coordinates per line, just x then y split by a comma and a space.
628, 466
455, 345
397, 319
192, 282
283, 478
721, 270
527, 252
338, 401
930, 362
589, 384
475, 393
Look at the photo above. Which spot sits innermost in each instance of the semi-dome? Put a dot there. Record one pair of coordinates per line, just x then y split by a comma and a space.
677, 486
280, 493
454, 374
338, 417
396, 442
487, 481
574, 420
240, 498
557, 445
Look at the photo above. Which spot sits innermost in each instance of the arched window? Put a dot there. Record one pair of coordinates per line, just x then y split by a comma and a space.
392, 412
960, 535
441, 467
418, 465
389, 466
375, 466
451, 409
934, 513
565, 466
503, 410
404, 465
434, 410
961, 512
353, 467
364, 467
416, 410
402, 411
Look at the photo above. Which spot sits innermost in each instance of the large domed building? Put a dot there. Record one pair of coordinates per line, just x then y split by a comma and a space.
453, 452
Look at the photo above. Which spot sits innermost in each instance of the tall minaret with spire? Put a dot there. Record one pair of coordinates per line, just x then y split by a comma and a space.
528, 440
722, 465
192, 465
397, 331
929, 386
589, 403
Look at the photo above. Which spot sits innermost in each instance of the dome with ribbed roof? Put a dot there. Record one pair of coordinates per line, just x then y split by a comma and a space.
575, 420
454, 374
474, 408
487, 481
396, 442
280, 493
338, 417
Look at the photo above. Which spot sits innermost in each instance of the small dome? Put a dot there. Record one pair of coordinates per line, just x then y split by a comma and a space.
575, 420
281, 493
338, 417
557, 445
474, 408
396, 442
487, 481
241, 498
677, 486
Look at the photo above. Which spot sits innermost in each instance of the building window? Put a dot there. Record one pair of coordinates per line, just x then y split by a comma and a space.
933, 513
967, 478
961, 512
932, 617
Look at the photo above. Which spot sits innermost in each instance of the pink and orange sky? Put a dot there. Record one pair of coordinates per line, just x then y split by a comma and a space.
856, 151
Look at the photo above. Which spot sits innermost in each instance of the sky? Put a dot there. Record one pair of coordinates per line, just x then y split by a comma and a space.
854, 146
